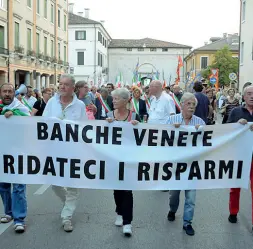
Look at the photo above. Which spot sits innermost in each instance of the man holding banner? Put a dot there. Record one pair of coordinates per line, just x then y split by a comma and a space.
104, 104
188, 106
66, 105
15, 205
242, 115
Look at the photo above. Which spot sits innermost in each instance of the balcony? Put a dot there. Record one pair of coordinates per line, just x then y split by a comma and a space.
4, 51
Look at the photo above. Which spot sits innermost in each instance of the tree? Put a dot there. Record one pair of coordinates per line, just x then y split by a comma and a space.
225, 63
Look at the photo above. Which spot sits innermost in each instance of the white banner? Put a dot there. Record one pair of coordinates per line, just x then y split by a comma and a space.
98, 155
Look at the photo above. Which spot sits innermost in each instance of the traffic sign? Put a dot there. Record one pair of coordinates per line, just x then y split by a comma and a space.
232, 76
213, 80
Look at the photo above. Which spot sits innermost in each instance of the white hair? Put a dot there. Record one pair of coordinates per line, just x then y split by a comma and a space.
70, 77
246, 89
122, 93
187, 96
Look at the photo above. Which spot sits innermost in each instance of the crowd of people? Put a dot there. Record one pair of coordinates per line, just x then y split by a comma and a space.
150, 104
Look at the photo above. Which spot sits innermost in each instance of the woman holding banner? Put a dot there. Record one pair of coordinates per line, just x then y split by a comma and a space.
123, 198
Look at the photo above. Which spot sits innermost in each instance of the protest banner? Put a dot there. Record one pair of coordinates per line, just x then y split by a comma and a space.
99, 155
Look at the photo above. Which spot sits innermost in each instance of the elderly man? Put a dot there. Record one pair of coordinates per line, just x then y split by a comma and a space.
242, 115
28, 100
177, 93
65, 105
15, 205
188, 105
104, 104
162, 105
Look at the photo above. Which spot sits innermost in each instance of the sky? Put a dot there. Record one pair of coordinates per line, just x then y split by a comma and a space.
188, 22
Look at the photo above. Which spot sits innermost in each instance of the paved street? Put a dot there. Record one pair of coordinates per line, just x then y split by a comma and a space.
94, 223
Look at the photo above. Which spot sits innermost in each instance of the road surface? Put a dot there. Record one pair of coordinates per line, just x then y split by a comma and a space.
94, 223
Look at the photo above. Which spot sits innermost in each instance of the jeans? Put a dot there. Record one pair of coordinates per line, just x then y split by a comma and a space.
69, 197
234, 200
15, 204
124, 205
190, 196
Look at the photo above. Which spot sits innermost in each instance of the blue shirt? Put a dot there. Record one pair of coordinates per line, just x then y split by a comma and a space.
178, 119
202, 108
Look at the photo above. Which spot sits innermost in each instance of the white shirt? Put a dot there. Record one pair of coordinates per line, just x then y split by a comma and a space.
161, 109
30, 101
75, 111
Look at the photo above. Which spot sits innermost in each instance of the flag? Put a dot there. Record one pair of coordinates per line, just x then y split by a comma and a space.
164, 82
179, 65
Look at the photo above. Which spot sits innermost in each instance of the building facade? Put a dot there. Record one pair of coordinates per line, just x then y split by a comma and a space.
200, 58
88, 48
246, 48
36, 37
153, 58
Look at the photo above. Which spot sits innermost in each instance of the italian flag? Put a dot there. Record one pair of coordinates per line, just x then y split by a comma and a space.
176, 101
135, 105
104, 104
147, 100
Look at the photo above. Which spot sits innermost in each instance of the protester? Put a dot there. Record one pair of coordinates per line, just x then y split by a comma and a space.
188, 105
110, 88
82, 92
162, 106
15, 204
28, 100
177, 93
147, 98
229, 104
104, 104
138, 105
40, 104
65, 105
212, 107
123, 198
242, 115
203, 106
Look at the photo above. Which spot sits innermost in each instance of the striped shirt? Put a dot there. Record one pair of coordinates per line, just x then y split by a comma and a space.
178, 119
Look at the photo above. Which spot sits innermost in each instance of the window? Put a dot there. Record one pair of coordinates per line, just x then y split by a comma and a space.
165, 50
52, 48
2, 37
45, 9
153, 50
105, 43
29, 3
29, 39
100, 59
45, 45
242, 53
59, 18
59, 51
129, 49
80, 58
65, 53
37, 43
141, 49
80, 35
100, 37
38, 6
16, 34
52, 13
65, 22
1, 4
243, 10
204, 62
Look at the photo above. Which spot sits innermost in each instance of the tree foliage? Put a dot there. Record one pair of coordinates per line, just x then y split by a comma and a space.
226, 65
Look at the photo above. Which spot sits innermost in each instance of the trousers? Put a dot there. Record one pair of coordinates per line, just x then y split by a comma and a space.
124, 205
69, 197
234, 197
189, 205
15, 204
